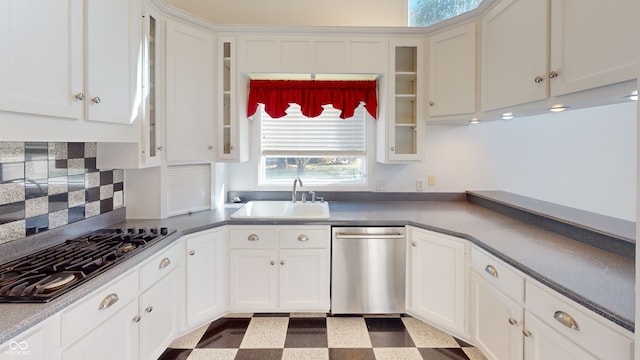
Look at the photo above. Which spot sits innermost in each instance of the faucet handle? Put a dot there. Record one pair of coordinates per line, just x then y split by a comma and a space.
313, 196
304, 197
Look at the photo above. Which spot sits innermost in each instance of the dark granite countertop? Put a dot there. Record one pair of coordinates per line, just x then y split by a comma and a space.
601, 281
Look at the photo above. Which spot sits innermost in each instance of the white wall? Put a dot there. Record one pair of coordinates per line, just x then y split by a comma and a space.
298, 13
581, 158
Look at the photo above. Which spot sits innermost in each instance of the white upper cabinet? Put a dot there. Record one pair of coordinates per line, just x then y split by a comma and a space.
46, 71
533, 50
311, 54
114, 55
42, 66
593, 43
514, 53
399, 130
189, 92
452, 72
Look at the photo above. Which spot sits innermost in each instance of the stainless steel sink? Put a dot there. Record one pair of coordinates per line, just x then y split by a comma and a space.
282, 210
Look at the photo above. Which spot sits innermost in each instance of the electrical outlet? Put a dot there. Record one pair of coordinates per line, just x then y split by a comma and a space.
419, 185
381, 186
431, 180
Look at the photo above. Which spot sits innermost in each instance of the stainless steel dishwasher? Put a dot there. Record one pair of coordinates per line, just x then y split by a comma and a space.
368, 270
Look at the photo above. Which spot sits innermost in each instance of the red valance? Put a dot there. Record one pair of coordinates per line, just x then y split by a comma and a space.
276, 95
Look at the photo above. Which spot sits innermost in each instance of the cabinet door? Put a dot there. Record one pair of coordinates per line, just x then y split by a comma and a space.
452, 72
207, 276
113, 54
189, 93
304, 279
158, 308
40, 342
544, 343
41, 74
116, 338
437, 279
514, 54
254, 280
496, 321
401, 130
593, 43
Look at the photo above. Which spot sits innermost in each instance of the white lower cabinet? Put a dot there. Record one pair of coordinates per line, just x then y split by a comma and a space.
496, 321
207, 275
158, 308
119, 322
514, 317
279, 269
544, 343
115, 338
437, 279
40, 342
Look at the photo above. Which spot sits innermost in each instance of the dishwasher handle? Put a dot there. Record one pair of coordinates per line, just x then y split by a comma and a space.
368, 236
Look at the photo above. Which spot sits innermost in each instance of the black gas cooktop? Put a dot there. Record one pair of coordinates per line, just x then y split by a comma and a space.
49, 273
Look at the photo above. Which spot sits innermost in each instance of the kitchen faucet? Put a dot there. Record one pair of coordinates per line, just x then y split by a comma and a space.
293, 192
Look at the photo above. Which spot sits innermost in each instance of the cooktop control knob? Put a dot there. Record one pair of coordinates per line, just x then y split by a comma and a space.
164, 231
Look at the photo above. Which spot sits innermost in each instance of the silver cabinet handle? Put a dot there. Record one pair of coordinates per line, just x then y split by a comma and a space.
538, 79
273, 262
413, 243
489, 269
136, 318
566, 320
281, 262
192, 252
303, 237
431, 103
210, 147
393, 149
108, 301
513, 321
553, 74
159, 148
164, 263
149, 309
96, 100
253, 237
79, 96
230, 147
526, 333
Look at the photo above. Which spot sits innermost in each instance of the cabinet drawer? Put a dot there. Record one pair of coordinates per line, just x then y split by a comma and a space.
159, 265
87, 313
253, 238
305, 238
499, 274
589, 331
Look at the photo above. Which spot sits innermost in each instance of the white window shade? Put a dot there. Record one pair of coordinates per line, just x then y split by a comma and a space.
325, 135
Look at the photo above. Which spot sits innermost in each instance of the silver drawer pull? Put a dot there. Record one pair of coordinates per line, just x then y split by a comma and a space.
513, 321
527, 333
303, 237
489, 269
108, 301
192, 252
566, 320
164, 263
273, 262
253, 237
149, 309
137, 318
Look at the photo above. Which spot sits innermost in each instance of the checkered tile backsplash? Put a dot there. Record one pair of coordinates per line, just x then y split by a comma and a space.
45, 185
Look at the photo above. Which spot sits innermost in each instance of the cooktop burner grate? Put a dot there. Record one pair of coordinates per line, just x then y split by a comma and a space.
49, 273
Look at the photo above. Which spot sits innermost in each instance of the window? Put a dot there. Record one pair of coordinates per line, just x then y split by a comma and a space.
429, 12
324, 150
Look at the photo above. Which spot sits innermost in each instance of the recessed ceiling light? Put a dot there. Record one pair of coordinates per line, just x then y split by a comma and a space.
558, 108
474, 121
507, 116
634, 95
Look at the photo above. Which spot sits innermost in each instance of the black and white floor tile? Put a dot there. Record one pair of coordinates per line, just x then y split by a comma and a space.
318, 336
